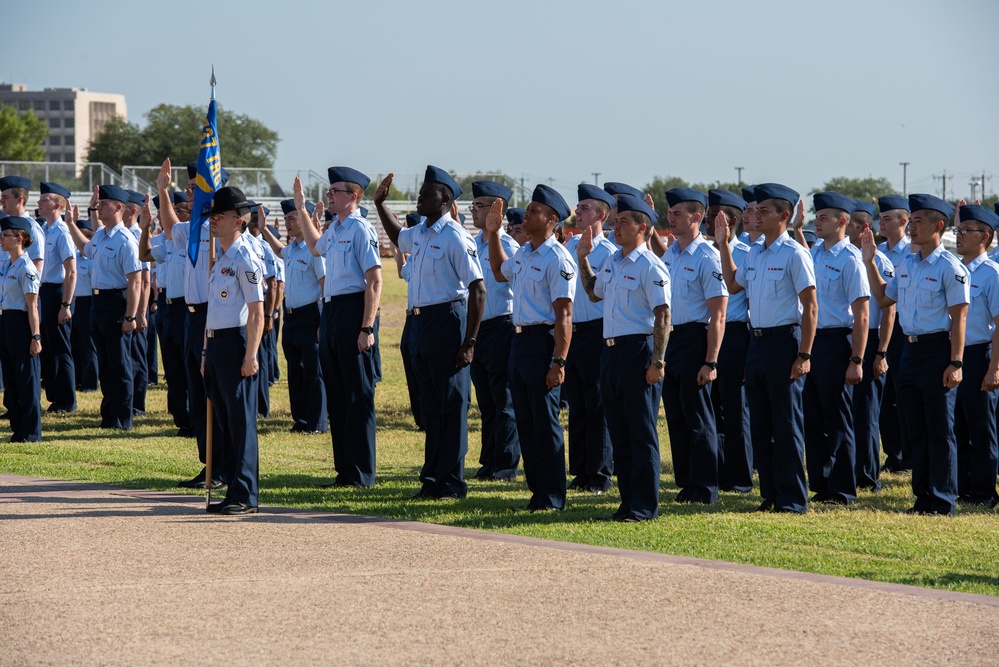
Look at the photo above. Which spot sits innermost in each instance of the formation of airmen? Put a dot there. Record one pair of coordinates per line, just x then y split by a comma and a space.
800, 359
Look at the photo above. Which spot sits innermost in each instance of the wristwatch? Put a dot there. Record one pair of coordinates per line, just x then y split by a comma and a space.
956, 363
368, 330
804, 356
659, 363
713, 365
470, 342
560, 361
856, 360
66, 304
129, 318
881, 353
36, 337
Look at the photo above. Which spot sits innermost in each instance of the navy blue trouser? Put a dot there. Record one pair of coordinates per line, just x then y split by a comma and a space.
265, 361
500, 453
977, 446
895, 436
58, 371
275, 370
631, 406
84, 350
542, 442
735, 447
830, 448
138, 348
22, 396
776, 418
407, 366
306, 392
435, 336
690, 416
194, 341
172, 318
349, 377
867, 397
928, 407
591, 455
153, 332
234, 399
114, 359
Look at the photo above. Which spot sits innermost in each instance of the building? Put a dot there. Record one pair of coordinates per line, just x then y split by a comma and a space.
73, 115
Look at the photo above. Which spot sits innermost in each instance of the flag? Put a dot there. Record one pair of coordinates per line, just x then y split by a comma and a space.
208, 180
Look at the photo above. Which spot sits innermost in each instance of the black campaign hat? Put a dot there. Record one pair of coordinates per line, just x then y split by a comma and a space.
229, 199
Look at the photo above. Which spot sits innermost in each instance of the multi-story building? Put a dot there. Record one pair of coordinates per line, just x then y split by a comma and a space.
73, 116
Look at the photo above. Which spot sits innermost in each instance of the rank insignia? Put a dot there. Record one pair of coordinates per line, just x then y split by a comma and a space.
717, 275
253, 277
962, 279
470, 252
568, 275
661, 283
374, 243
224, 294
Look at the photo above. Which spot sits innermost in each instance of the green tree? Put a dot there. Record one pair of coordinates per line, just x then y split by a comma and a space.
175, 132
21, 137
395, 194
465, 182
657, 189
119, 142
864, 189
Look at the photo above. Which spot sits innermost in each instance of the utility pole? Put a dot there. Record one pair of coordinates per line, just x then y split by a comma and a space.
739, 171
944, 179
596, 178
974, 191
983, 185
905, 179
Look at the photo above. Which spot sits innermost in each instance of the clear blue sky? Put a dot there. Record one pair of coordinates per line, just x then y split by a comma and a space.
794, 91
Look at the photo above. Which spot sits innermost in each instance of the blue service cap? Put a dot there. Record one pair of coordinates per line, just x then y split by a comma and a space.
84, 223
865, 207
892, 202
192, 172
588, 191
363, 211
632, 203
274, 231
8, 182
461, 218
347, 175
550, 197
749, 194
438, 175
515, 216
414, 219
835, 200
328, 216
726, 198
929, 202
677, 195
136, 197
491, 189
16, 221
765, 191
287, 206
53, 189
979, 214
114, 192
256, 208
176, 197
615, 188
809, 234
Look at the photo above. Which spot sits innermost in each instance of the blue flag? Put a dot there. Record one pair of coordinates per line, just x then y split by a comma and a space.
208, 180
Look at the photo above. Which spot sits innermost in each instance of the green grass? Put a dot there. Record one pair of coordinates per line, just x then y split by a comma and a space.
871, 540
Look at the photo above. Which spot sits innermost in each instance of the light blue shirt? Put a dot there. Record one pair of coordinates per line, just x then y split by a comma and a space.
19, 278
896, 254
774, 276
83, 286
887, 271
37, 248
169, 274
984, 306
351, 248
303, 271
632, 287
925, 288
114, 256
539, 278
841, 279
264, 253
236, 280
738, 304
59, 247
444, 261
695, 276
499, 296
584, 310
137, 233
195, 277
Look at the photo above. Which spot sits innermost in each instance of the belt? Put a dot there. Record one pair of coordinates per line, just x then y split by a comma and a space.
533, 328
690, 326
928, 338
312, 305
977, 347
628, 338
343, 297
222, 333
115, 291
179, 300
434, 307
783, 330
197, 307
737, 324
590, 324
829, 332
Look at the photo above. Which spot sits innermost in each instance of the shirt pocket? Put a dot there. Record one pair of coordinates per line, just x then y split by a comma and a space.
926, 293
771, 281
684, 284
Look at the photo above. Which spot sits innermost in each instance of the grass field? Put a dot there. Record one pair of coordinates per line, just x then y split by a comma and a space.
871, 540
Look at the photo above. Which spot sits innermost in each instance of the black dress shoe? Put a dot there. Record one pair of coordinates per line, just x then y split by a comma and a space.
766, 506
421, 495
196, 482
215, 508
185, 432
238, 509
577, 483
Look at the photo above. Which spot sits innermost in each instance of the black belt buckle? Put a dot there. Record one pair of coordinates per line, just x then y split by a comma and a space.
190, 309
609, 342
912, 339
757, 333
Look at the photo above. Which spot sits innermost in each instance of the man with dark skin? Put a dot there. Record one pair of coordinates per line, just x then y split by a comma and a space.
443, 334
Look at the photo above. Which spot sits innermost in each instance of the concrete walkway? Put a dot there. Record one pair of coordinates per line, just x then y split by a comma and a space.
91, 575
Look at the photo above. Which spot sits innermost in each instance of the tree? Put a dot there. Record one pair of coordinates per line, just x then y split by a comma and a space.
864, 189
119, 142
657, 188
21, 137
465, 182
395, 194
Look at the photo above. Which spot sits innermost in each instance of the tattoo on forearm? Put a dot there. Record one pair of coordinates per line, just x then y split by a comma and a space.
586, 276
660, 333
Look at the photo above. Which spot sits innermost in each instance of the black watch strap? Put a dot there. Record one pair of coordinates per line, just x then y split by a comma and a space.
881, 353
368, 330
956, 363
805, 356
857, 360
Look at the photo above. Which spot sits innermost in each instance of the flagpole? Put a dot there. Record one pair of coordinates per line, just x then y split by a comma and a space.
208, 402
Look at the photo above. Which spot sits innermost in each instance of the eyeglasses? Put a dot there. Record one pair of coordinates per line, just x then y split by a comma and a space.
333, 191
476, 207
962, 232
8, 235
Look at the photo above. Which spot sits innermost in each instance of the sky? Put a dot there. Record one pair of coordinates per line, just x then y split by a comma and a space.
795, 92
